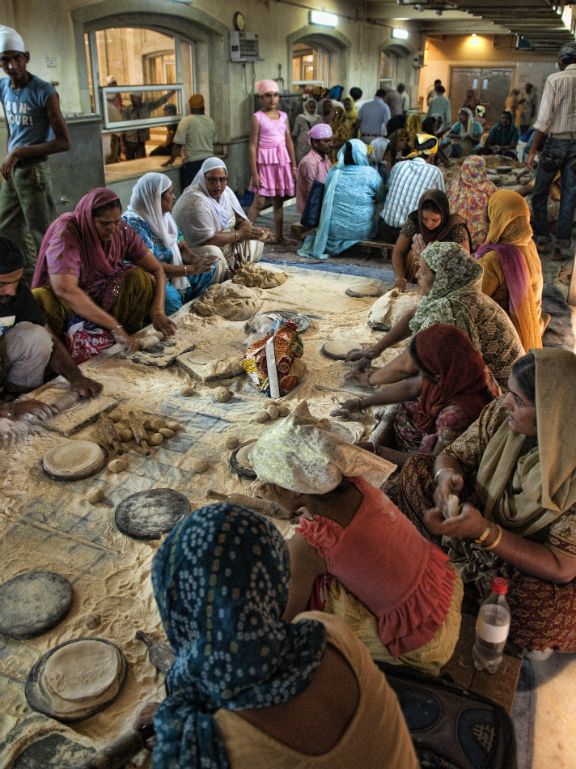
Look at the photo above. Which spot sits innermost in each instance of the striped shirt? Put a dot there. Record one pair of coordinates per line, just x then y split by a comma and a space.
408, 180
557, 113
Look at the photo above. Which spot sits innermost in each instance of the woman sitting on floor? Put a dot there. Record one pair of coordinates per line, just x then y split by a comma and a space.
515, 470
149, 215
437, 404
450, 280
468, 196
351, 192
93, 265
248, 688
213, 223
354, 553
430, 223
512, 268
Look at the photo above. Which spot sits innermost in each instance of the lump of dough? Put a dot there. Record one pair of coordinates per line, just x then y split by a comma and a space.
95, 495
283, 409
187, 390
222, 394
273, 411
117, 465
144, 342
125, 434
156, 439
165, 432
173, 425
452, 507
115, 415
157, 423
199, 465
261, 416
232, 442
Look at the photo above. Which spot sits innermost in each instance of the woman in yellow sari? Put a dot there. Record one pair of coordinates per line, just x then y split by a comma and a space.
512, 268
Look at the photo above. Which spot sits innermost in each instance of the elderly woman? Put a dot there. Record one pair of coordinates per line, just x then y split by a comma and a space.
515, 470
438, 403
432, 222
247, 687
149, 215
512, 268
92, 264
302, 125
465, 134
450, 280
213, 222
395, 591
351, 192
468, 196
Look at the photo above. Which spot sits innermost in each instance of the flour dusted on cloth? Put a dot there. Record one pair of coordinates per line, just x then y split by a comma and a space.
228, 300
388, 309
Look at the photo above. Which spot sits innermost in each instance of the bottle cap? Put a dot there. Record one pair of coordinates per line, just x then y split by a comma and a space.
500, 585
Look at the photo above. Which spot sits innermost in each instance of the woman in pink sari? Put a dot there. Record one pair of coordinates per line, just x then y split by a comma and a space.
93, 265
512, 268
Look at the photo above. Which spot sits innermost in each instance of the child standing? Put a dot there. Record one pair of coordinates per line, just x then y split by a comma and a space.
272, 158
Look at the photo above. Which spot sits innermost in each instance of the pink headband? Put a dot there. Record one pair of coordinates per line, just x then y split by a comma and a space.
267, 86
320, 131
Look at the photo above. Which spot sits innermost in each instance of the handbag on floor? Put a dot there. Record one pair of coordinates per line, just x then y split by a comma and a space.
452, 727
313, 207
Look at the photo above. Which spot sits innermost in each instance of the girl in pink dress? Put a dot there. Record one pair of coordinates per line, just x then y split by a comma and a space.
272, 157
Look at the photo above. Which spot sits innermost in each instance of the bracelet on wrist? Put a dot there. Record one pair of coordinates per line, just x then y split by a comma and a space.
496, 542
484, 535
157, 312
116, 328
437, 473
6, 411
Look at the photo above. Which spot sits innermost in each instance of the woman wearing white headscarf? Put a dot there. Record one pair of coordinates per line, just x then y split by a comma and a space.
214, 223
188, 274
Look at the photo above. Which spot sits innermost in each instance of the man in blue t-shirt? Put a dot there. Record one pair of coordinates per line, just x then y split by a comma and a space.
36, 129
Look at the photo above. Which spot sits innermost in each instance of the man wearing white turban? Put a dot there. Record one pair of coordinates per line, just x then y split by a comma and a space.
36, 129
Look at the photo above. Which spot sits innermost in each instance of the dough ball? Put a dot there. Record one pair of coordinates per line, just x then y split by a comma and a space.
95, 495
147, 424
232, 442
222, 394
125, 446
157, 423
117, 465
123, 424
115, 415
93, 621
261, 416
125, 434
283, 409
187, 391
150, 340
173, 425
452, 507
156, 439
165, 432
199, 465
273, 411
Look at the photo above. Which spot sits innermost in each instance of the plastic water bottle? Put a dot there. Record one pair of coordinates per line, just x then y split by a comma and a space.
492, 628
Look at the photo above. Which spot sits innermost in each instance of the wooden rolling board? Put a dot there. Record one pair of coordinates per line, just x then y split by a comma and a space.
78, 415
164, 353
212, 365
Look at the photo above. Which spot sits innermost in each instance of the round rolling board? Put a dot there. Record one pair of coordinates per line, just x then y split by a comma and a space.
33, 602
370, 290
52, 751
76, 679
74, 460
240, 461
338, 349
148, 514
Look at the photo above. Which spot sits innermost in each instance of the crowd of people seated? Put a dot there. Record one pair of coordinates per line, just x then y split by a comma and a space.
274, 643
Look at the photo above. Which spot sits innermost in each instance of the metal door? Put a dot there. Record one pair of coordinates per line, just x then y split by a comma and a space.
491, 84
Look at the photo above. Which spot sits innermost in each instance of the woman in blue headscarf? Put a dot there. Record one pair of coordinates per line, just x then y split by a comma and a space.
348, 216
247, 688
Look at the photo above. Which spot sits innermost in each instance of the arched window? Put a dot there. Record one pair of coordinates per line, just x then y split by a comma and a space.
310, 65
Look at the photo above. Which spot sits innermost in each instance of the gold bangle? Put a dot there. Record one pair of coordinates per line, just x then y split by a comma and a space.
496, 541
484, 535
157, 312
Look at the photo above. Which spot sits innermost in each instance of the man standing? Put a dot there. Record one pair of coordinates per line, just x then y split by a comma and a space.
196, 134
405, 98
135, 141
440, 105
527, 104
373, 116
394, 100
36, 129
408, 180
556, 130
315, 164
27, 346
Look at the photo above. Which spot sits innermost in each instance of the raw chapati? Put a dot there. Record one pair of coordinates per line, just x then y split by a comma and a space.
338, 349
33, 602
74, 460
240, 461
149, 514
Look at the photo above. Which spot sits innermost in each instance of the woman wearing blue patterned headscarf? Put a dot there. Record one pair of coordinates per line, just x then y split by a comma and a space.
221, 583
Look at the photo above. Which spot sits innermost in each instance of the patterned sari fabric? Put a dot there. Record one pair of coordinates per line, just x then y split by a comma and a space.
469, 195
531, 493
512, 267
221, 584
456, 299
